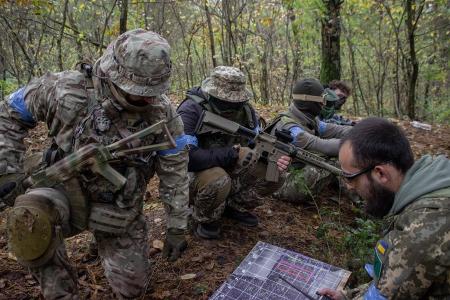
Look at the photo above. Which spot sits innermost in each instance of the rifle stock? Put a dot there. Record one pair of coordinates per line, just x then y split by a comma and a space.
269, 147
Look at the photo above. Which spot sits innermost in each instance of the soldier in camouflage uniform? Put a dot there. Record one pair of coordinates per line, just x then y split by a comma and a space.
226, 178
309, 97
412, 260
124, 95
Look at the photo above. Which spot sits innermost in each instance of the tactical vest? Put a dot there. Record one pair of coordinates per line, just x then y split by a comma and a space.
245, 117
286, 120
95, 202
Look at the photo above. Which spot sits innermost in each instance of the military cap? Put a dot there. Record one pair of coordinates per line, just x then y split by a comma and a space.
227, 84
138, 62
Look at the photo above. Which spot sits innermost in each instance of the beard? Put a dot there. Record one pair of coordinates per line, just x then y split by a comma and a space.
379, 200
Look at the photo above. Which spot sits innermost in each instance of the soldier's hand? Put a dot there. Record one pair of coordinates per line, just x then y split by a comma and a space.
10, 188
175, 244
247, 159
331, 294
5, 190
283, 163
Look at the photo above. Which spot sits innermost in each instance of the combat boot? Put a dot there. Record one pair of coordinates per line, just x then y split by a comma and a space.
208, 230
245, 218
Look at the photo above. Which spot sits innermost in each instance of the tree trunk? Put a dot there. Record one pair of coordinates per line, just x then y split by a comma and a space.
353, 69
413, 68
61, 35
211, 35
331, 33
227, 49
123, 16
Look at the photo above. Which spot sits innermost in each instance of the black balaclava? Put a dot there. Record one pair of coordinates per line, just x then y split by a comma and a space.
227, 109
310, 87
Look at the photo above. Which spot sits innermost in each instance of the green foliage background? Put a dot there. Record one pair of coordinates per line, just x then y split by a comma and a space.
280, 39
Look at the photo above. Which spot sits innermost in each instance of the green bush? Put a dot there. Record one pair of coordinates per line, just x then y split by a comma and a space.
7, 87
359, 243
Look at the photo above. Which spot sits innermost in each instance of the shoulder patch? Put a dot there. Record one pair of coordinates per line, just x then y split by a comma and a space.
380, 251
322, 126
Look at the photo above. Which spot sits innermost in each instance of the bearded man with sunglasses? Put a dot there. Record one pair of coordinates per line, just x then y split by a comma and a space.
412, 260
226, 177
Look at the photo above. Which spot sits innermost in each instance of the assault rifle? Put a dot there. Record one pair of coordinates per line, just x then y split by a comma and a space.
96, 157
270, 148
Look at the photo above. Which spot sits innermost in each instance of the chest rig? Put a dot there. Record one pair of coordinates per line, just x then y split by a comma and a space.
112, 208
291, 118
244, 117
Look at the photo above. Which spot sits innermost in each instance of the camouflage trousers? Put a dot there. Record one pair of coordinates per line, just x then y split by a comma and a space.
303, 185
213, 189
124, 260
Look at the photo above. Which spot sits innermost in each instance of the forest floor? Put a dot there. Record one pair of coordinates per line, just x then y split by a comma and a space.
332, 230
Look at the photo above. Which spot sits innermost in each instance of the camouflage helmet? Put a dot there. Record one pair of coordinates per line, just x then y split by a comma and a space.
138, 62
227, 84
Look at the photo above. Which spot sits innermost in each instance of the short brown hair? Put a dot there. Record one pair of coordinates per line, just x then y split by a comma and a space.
342, 85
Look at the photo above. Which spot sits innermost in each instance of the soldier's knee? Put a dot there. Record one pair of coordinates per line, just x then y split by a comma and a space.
36, 225
214, 182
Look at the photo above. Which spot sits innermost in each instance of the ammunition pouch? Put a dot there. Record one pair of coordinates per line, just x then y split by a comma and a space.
109, 218
37, 225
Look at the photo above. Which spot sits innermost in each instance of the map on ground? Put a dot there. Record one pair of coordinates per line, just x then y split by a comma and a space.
271, 272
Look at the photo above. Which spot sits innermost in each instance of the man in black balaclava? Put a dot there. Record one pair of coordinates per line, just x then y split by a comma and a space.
308, 132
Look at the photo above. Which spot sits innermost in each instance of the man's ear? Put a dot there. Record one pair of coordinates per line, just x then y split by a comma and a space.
382, 174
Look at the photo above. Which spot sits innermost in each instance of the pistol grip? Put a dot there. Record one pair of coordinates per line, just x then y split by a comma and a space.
110, 174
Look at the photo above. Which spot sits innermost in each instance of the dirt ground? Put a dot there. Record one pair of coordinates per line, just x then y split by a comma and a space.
208, 263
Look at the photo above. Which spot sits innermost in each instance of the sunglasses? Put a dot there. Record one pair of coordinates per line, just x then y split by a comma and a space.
351, 176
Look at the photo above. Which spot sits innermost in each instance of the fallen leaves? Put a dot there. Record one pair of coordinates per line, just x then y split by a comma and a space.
158, 244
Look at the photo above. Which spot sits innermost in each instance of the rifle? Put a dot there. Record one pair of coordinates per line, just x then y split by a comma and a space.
97, 157
270, 148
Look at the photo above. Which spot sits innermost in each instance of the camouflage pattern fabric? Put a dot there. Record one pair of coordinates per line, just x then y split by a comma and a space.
314, 135
142, 75
213, 189
305, 182
57, 278
417, 260
303, 185
122, 258
78, 114
228, 84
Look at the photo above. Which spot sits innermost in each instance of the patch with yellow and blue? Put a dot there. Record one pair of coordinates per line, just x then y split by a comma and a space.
380, 251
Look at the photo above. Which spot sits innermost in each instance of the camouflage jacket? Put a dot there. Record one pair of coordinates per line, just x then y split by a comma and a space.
310, 134
78, 114
414, 254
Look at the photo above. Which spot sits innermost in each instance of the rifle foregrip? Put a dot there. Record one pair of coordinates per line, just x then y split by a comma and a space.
272, 173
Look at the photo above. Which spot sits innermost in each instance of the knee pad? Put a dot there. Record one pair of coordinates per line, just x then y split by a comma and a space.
214, 181
36, 225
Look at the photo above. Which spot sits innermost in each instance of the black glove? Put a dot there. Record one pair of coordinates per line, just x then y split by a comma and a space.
7, 188
175, 244
11, 187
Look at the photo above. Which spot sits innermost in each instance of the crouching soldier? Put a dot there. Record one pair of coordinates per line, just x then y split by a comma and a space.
227, 179
124, 95
301, 120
